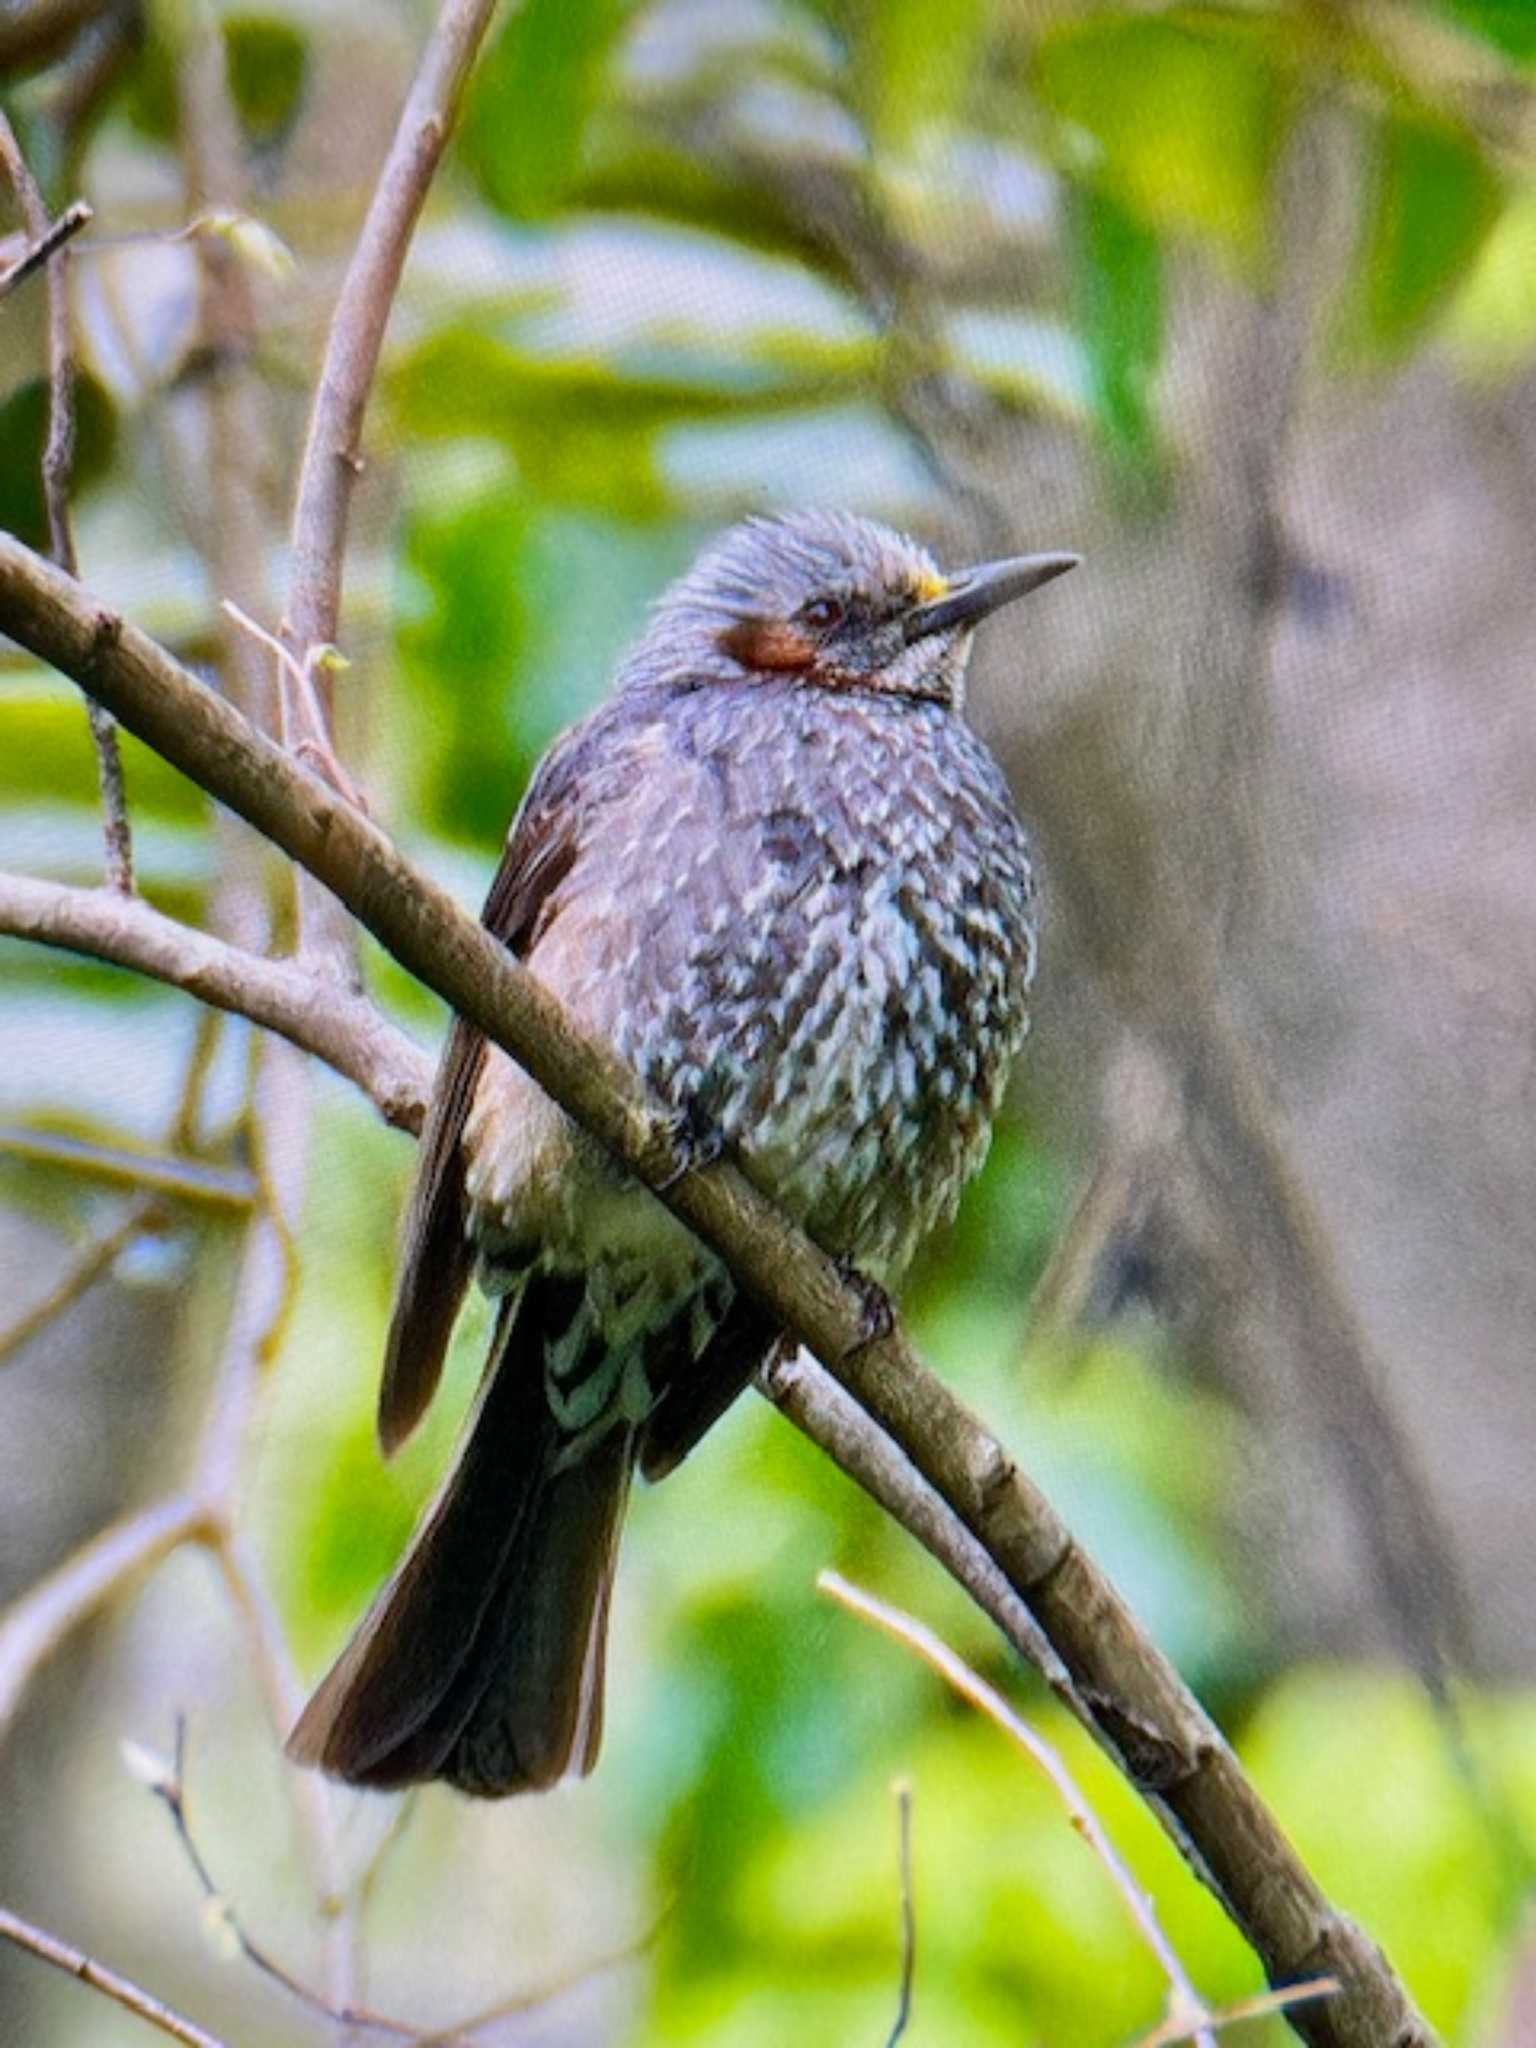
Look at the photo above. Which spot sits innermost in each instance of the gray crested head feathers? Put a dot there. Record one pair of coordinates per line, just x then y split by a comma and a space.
838, 602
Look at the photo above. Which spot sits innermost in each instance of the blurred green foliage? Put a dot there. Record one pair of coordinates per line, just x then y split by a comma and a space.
632, 297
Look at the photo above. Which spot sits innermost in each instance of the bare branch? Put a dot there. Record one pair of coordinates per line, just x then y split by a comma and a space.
803, 1391
36, 1624
168, 1784
332, 460
121, 1990
53, 238
82, 1273
170, 1789
1185, 2001
345, 1031
196, 1181
58, 467
332, 449
1164, 1740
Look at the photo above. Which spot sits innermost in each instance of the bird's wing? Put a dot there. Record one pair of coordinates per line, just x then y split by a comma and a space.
438, 1257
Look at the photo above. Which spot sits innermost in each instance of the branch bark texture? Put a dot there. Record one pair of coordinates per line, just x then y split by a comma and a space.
1146, 1717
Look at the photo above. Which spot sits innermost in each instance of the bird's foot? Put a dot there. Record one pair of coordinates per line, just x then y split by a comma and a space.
877, 1314
696, 1140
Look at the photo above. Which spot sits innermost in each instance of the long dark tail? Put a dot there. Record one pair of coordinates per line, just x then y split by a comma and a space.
482, 1660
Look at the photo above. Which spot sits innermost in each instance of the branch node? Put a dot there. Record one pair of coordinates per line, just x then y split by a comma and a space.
1158, 1762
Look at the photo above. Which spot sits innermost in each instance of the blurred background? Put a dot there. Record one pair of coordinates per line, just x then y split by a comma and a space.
1240, 302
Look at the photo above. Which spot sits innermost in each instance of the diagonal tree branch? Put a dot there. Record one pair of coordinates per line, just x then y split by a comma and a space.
1161, 1736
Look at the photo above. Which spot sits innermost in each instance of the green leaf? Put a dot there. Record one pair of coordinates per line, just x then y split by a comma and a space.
631, 171
528, 107
469, 383
1435, 199
1510, 25
46, 754
268, 62
23, 432
1177, 116
584, 431
462, 650
1120, 317
914, 60
1492, 325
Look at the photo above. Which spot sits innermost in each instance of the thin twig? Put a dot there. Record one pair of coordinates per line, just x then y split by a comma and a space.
546, 1994
121, 1990
233, 535
1164, 1740
332, 460
166, 1779
34, 1626
58, 467
69, 223
818, 1405
903, 1792
1262, 2006
230, 1188
1185, 2001
93, 1259
305, 728
170, 1788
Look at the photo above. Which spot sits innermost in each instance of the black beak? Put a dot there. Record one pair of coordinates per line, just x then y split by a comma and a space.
975, 592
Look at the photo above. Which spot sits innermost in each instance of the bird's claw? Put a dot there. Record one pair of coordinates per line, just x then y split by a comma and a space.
695, 1142
877, 1315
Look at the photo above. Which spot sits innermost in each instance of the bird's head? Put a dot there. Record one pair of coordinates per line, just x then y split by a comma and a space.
832, 602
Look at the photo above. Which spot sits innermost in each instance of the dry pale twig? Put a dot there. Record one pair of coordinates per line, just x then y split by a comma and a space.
1263, 2006
165, 1778
33, 1626
1184, 2001
82, 1273
1164, 1740
58, 465
121, 1990
305, 728
807, 1395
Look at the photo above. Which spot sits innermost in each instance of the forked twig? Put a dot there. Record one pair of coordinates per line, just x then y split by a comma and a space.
165, 1778
1185, 2001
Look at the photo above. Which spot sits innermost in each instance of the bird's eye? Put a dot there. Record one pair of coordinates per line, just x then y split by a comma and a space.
823, 613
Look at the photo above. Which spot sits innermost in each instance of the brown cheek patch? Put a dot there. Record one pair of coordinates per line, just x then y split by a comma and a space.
768, 644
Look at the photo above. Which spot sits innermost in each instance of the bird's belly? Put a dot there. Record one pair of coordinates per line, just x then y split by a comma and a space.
863, 1101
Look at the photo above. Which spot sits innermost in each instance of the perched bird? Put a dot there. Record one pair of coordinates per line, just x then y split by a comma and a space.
779, 873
